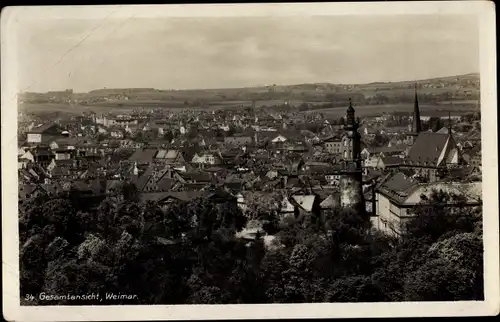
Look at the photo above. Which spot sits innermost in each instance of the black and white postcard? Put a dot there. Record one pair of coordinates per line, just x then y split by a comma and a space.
185, 162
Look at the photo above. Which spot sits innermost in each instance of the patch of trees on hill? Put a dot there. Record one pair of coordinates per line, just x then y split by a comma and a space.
188, 253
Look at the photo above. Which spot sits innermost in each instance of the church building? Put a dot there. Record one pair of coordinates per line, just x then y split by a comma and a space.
430, 154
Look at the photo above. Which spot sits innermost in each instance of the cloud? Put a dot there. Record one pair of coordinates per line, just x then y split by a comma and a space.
244, 51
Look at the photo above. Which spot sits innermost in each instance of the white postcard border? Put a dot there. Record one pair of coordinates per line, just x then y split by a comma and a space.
12, 309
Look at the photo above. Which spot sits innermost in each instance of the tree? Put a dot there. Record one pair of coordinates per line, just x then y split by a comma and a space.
168, 136
354, 289
434, 217
130, 192
439, 280
435, 123
380, 140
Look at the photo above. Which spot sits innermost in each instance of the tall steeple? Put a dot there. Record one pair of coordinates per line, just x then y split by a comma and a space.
449, 123
351, 179
416, 124
352, 138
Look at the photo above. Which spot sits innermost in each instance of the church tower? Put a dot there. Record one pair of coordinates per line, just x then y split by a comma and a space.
351, 189
416, 126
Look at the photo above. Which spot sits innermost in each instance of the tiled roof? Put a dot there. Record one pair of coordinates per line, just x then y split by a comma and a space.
184, 195
143, 155
42, 128
305, 202
397, 182
165, 184
427, 148
385, 149
161, 154
329, 202
26, 190
472, 191
390, 160
196, 176
172, 154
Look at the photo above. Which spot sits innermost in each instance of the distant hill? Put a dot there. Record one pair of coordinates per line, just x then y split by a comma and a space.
432, 91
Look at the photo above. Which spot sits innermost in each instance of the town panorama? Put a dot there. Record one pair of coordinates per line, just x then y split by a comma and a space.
271, 194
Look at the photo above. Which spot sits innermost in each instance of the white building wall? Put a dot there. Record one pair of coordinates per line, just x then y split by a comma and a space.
34, 138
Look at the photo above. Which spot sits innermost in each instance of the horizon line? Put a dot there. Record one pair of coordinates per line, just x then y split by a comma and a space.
416, 81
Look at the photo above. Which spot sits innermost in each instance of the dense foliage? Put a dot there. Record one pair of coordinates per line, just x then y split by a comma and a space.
189, 253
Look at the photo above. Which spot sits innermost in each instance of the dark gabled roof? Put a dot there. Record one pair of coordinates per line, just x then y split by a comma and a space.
26, 190
238, 138
143, 155
427, 148
196, 176
153, 196
42, 128
183, 195
385, 149
333, 138
81, 185
64, 163
390, 160
113, 185
141, 181
397, 182
219, 194
39, 152
165, 184
67, 141
98, 186
372, 174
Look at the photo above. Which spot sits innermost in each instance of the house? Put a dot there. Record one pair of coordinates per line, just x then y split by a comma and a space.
116, 133
472, 156
211, 158
330, 202
64, 143
179, 196
396, 197
117, 121
38, 134
24, 159
299, 204
172, 157
387, 162
196, 177
63, 154
383, 151
333, 145
143, 156
43, 157
238, 140
333, 179
279, 139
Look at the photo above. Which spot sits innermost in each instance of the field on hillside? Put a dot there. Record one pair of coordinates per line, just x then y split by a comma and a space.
456, 108
375, 110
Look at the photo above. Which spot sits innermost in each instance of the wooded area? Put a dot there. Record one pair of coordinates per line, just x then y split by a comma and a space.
188, 253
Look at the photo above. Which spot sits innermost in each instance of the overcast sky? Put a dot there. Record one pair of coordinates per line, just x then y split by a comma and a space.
187, 53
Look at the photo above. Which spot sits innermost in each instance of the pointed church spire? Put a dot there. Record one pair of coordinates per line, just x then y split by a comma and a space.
350, 114
449, 123
416, 126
